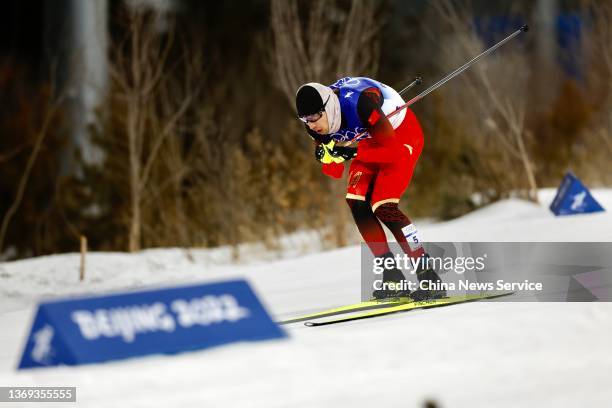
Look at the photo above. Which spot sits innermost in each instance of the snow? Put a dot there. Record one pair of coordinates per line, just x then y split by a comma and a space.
478, 355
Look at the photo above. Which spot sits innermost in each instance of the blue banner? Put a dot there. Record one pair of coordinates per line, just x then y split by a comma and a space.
574, 198
95, 329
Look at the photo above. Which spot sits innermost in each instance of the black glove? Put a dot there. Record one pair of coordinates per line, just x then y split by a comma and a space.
345, 152
330, 153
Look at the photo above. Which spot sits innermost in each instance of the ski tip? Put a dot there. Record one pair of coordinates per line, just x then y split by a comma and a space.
309, 324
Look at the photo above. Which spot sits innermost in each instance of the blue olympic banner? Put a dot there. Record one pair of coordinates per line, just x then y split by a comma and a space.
574, 198
102, 328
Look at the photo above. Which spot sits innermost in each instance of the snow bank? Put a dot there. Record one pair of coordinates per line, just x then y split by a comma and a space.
493, 354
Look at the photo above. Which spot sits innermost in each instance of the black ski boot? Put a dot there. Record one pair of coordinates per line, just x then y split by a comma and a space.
391, 275
428, 275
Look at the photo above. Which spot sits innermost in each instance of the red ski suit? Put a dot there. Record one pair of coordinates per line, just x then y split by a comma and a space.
384, 165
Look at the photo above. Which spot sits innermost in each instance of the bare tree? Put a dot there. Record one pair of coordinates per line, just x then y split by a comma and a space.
41, 134
595, 146
491, 99
6, 156
141, 71
332, 42
601, 59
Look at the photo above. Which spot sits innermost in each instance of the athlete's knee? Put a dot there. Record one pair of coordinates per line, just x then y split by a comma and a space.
389, 212
358, 207
356, 204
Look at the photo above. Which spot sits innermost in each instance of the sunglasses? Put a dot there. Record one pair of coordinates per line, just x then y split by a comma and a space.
314, 116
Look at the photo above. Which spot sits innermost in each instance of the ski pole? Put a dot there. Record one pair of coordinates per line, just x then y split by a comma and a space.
450, 76
458, 71
416, 81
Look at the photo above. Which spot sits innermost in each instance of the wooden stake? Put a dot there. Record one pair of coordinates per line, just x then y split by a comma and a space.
83, 252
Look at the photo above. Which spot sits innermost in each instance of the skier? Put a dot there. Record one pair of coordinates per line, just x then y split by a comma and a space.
353, 111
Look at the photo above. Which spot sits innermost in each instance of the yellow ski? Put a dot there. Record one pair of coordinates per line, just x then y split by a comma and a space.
356, 307
426, 304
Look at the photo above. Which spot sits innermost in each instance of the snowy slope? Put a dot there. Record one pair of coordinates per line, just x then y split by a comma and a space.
493, 354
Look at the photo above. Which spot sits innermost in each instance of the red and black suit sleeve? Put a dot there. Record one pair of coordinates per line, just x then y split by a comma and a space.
384, 146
